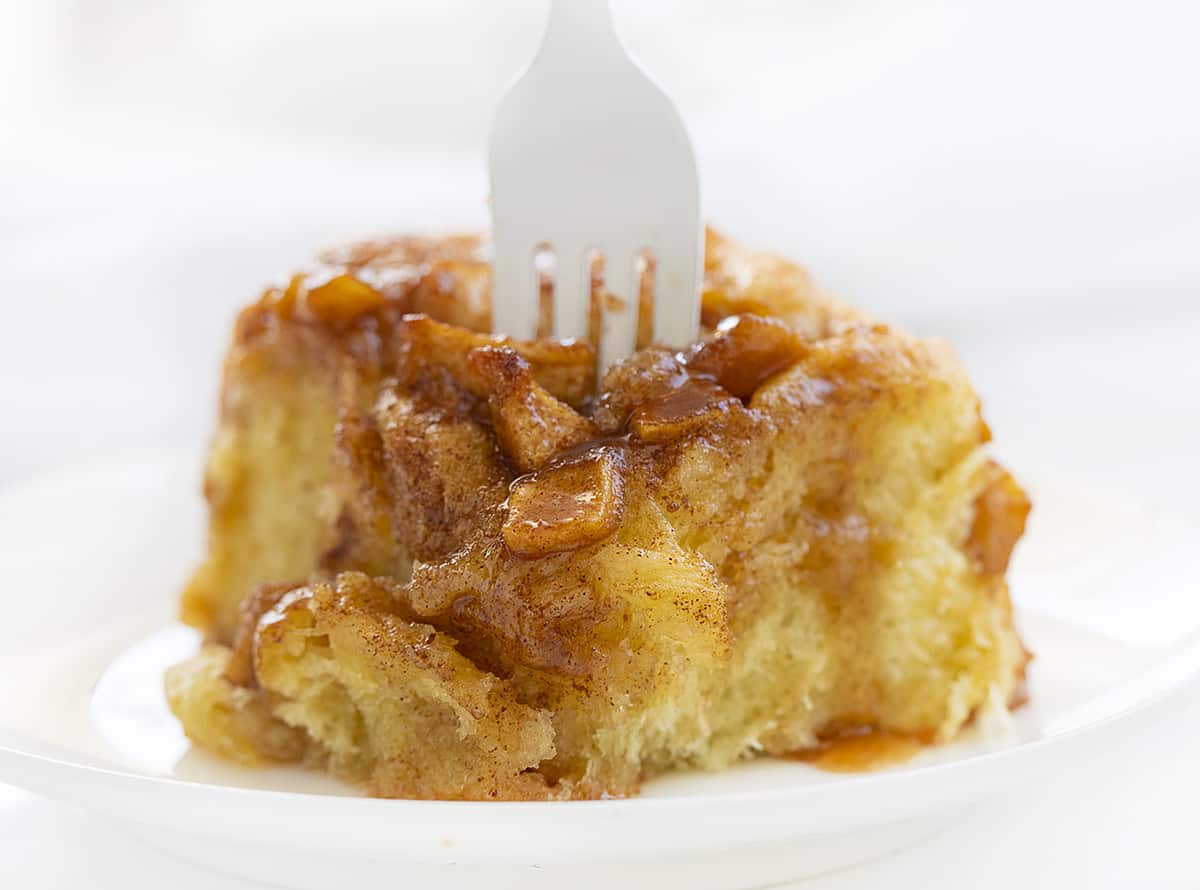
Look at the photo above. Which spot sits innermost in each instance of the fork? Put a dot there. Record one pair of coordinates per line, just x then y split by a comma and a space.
588, 156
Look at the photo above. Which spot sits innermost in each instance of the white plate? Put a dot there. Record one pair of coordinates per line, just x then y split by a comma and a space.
93, 560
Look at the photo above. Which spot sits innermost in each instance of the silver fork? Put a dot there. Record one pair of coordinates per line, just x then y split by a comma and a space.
588, 155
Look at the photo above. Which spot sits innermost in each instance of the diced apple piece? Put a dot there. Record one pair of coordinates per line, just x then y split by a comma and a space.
568, 506
566, 369
342, 298
745, 351
531, 425
682, 411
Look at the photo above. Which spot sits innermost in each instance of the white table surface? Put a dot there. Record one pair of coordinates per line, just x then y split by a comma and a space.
1107, 397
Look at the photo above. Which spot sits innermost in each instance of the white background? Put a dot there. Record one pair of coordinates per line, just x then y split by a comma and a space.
1021, 177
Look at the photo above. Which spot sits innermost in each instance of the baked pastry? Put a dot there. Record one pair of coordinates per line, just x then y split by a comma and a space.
451, 565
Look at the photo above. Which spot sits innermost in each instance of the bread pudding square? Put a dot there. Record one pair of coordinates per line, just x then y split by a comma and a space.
447, 564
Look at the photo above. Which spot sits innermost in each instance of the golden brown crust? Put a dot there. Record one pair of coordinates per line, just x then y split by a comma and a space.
1000, 514
738, 281
226, 717
416, 718
258, 602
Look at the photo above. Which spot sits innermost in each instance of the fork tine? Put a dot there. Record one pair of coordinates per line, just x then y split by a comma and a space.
515, 289
572, 293
618, 329
587, 151
676, 296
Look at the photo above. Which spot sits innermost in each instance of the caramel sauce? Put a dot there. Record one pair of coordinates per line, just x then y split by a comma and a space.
693, 398
681, 410
557, 507
860, 750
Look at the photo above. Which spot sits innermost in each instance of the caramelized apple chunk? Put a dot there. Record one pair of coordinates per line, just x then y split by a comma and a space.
745, 351
565, 368
458, 293
566, 506
341, 298
646, 375
531, 425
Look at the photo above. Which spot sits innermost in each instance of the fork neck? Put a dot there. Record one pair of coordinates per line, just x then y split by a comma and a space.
578, 22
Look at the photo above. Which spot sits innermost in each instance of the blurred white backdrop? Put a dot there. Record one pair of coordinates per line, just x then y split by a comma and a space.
963, 149
967, 167
1020, 175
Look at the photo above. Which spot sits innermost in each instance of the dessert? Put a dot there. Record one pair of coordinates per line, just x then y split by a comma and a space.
445, 564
